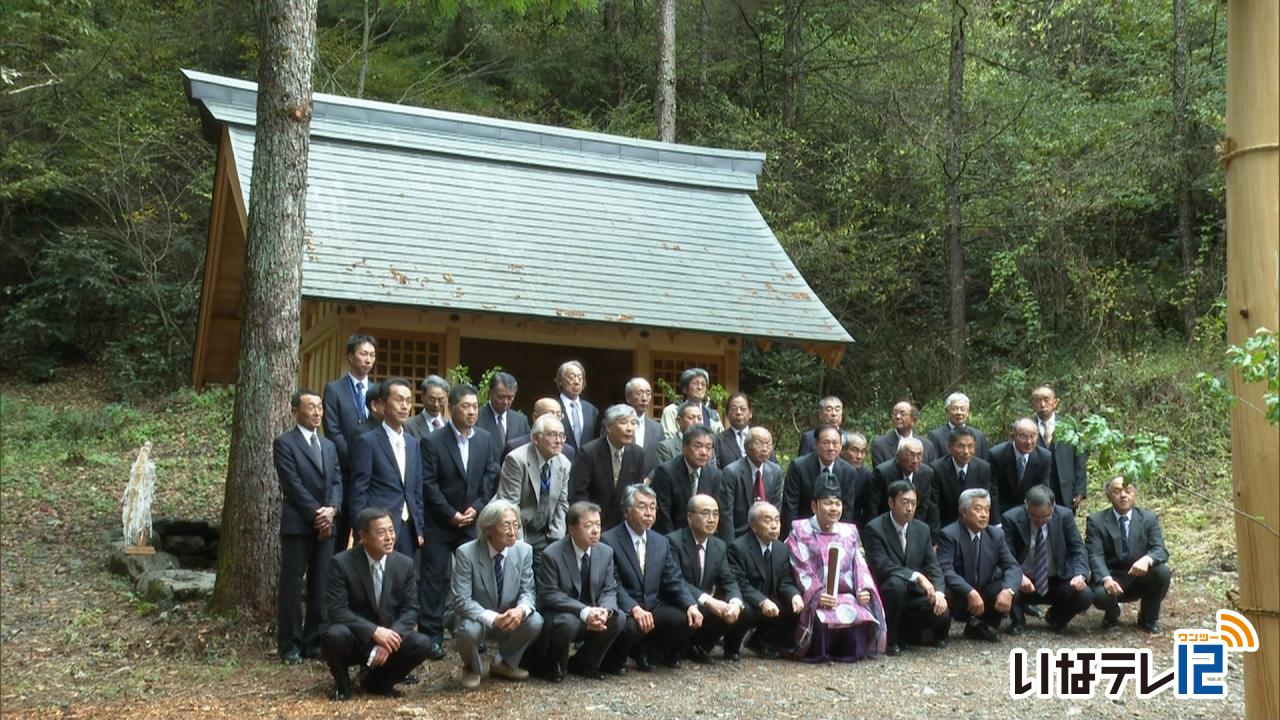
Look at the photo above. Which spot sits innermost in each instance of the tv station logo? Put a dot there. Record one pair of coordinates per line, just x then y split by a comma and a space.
1198, 671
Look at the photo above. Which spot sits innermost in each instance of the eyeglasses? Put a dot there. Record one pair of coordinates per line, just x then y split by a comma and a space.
706, 513
508, 525
553, 435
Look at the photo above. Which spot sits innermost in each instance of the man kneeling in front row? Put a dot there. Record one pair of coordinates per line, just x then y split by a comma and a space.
372, 604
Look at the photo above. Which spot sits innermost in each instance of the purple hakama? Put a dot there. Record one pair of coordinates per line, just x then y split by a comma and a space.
849, 631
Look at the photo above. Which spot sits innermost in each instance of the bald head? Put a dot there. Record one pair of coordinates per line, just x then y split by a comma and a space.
546, 406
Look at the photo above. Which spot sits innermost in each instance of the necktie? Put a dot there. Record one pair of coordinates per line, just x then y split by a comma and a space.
742, 443
640, 553
694, 483
1048, 433
702, 560
902, 537
362, 408
497, 574
375, 569
768, 570
962, 473
584, 575
577, 423
315, 450
397, 447
617, 465
1022, 466
973, 572
546, 478
759, 491
1124, 535
435, 424
464, 450
911, 480
1042, 564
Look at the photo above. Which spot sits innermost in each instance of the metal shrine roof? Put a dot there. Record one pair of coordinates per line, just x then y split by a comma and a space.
425, 208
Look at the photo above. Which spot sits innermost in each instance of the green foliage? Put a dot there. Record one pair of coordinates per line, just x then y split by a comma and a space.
1140, 457
462, 374
1258, 361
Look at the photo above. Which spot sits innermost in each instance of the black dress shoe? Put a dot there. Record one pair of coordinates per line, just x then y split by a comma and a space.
764, 651
436, 652
615, 670
699, 655
411, 679
981, 631
293, 658
1152, 627
582, 669
940, 643
382, 691
643, 664
732, 655
340, 694
1034, 610
893, 650
673, 661
1017, 629
1111, 619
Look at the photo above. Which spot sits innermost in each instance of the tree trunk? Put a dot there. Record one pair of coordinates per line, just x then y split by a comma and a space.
248, 557
954, 171
666, 91
364, 47
613, 25
792, 62
1182, 147
704, 45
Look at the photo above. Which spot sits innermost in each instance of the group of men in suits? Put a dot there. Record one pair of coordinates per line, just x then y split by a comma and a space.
496, 514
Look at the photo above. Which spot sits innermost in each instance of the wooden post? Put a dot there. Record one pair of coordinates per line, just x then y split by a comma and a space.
1251, 163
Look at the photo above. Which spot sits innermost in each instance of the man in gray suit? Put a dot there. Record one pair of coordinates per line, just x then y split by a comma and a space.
749, 480
649, 434
435, 408
1044, 540
496, 416
493, 596
578, 594
688, 415
1128, 557
535, 477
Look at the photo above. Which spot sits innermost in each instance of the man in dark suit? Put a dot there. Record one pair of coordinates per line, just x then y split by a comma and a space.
830, 412
981, 576
493, 596
909, 466
386, 469
904, 417
1044, 540
1128, 557
679, 479
900, 553
745, 482
957, 409
731, 443
374, 398
854, 451
651, 592
578, 597
536, 479
649, 434
496, 417
344, 409
311, 486
435, 408
802, 482
688, 414
958, 470
762, 566
608, 464
581, 418
372, 604
704, 563
459, 469
1068, 476
1018, 465
543, 406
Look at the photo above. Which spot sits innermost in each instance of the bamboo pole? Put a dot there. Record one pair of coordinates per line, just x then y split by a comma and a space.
1251, 163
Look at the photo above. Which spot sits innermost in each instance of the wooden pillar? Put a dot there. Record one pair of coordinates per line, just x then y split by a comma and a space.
731, 369
641, 362
1251, 163
453, 348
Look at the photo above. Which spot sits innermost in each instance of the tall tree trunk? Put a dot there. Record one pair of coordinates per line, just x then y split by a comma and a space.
248, 557
364, 46
704, 44
954, 171
666, 91
1182, 146
792, 62
613, 25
